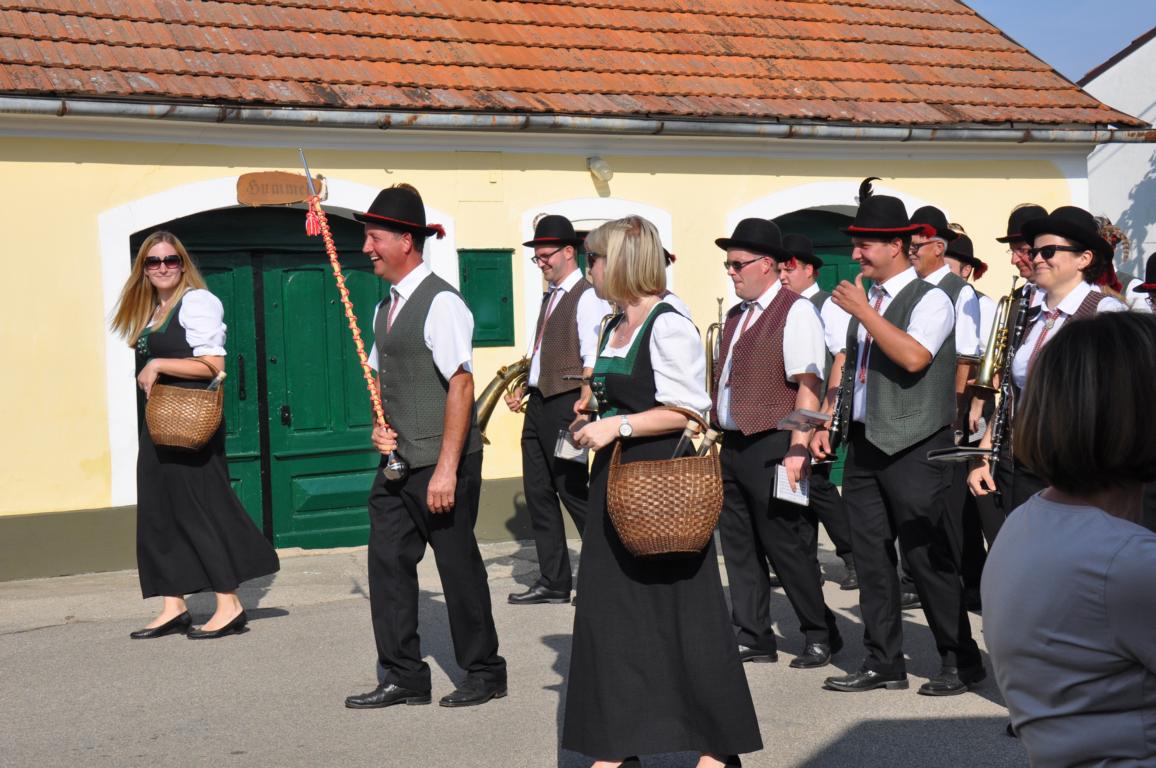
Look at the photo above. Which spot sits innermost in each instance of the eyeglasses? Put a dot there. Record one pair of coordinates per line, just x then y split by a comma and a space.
540, 260
153, 263
914, 247
737, 266
1019, 250
1048, 251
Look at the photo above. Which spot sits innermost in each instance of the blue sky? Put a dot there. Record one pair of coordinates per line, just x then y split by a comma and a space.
1072, 35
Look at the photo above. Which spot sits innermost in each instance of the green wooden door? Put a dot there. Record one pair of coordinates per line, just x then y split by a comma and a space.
321, 461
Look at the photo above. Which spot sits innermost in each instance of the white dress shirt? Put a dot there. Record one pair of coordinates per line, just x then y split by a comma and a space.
835, 321
931, 322
449, 326
987, 310
1067, 306
967, 316
591, 310
803, 346
203, 317
678, 359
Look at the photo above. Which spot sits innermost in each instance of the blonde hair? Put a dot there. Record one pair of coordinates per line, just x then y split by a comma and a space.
138, 298
1076, 426
635, 262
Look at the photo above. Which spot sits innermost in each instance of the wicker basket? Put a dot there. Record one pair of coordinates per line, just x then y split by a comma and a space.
667, 506
180, 417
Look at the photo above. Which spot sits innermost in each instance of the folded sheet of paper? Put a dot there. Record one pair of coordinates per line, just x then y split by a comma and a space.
803, 419
783, 488
566, 448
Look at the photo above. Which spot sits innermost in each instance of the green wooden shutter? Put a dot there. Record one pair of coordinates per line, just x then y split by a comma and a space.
487, 284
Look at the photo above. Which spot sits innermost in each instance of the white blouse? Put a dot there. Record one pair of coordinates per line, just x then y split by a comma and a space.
202, 315
678, 358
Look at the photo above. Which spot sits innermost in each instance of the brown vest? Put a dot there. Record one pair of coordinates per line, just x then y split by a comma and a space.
760, 393
560, 351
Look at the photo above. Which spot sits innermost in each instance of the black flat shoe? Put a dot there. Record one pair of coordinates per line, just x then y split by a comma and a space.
473, 692
851, 580
539, 594
952, 681
386, 695
179, 624
865, 680
234, 627
909, 601
757, 655
817, 654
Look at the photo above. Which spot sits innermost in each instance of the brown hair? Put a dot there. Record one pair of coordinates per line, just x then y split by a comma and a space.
1078, 426
138, 298
635, 262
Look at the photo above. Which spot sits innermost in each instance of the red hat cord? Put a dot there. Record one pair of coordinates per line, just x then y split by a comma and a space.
979, 270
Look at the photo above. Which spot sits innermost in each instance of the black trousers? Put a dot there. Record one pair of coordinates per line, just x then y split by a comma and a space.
546, 480
828, 506
401, 525
904, 496
753, 527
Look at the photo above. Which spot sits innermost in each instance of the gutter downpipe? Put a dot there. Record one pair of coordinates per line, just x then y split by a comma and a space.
453, 121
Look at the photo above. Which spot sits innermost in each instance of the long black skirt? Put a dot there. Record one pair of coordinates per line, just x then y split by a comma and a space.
192, 533
654, 665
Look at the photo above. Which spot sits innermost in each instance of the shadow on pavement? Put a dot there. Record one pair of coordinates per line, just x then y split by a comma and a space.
953, 742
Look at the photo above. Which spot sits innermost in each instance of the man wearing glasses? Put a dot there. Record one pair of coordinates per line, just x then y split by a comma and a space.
772, 362
562, 355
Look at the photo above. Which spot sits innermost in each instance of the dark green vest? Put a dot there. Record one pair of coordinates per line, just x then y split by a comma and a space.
904, 408
413, 390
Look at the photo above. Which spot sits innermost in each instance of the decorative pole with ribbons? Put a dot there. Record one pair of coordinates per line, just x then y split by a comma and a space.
316, 223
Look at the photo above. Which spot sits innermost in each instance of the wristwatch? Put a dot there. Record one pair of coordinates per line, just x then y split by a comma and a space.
624, 429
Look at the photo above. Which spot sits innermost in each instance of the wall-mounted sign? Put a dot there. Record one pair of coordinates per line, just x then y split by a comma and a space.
276, 188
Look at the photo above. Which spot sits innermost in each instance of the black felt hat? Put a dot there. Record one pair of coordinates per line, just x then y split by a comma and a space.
400, 209
757, 236
1149, 284
1017, 219
880, 215
801, 247
931, 216
554, 230
963, 250
1071, 223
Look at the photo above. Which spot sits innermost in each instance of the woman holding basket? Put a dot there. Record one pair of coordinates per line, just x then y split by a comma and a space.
654, 667
193, 535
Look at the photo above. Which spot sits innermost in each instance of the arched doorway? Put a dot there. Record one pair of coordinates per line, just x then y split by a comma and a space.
297, 412
832, 245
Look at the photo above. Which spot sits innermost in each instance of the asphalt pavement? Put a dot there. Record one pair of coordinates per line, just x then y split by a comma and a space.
75, 690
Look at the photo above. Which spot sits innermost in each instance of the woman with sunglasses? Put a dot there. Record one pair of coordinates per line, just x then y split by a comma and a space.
193, 535
1072, 270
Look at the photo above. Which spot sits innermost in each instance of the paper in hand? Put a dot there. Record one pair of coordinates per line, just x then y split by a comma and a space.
783, 488
803, 419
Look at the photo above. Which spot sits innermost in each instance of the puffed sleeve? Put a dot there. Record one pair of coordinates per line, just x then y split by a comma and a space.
203, 317
679, 361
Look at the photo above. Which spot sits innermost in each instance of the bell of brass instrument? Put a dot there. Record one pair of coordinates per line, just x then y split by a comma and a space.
505, 382
996, 351
713, 348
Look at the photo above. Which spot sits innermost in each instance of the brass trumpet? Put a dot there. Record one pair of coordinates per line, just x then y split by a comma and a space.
714, 348
997, 344
506, 381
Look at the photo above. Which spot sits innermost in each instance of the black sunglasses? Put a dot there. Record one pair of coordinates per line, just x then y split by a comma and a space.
737, 266
1048, 251
154, 262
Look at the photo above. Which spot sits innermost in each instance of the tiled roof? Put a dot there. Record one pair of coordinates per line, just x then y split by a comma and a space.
870, 62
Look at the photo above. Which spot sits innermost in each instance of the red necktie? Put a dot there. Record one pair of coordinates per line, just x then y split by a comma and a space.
549, 309
1049, 319
867, 342
393, 304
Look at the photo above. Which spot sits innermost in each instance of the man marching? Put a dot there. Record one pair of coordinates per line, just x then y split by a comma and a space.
772, 360
899, 373
564, 350
422, 351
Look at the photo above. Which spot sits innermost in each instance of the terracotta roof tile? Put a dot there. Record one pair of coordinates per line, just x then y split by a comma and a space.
908, 62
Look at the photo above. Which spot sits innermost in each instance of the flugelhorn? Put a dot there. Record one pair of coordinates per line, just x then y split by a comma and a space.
997, 344
714, 347
506, 381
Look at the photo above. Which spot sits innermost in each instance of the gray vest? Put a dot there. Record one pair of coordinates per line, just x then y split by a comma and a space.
413, 390
904, 408
818, 300
952, 284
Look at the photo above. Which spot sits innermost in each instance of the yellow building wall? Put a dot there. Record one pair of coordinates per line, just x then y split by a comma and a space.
55, 455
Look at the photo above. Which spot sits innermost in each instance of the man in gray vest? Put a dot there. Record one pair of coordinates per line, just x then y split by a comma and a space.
800, 273
562, 352
899, 371
422, 352
771, 362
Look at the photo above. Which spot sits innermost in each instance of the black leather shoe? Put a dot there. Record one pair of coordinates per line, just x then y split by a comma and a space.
865, 680
386, 695
473, 692
539, 594
817, 654
908, 601
952, 681
234, 627
774, 580
746, 653
179, 624
851, 580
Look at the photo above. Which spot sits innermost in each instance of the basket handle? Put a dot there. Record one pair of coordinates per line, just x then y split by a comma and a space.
203, 361
690, 414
